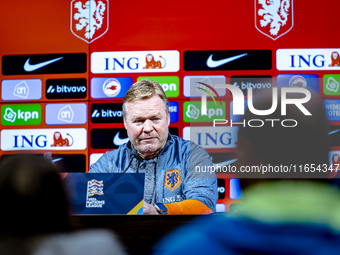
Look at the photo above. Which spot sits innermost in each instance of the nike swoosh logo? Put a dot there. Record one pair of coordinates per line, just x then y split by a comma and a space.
118, 141
216, 63
29, 68
57, 159
225, 163
334, 131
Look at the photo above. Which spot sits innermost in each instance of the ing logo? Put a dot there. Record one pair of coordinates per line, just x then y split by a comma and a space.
151, 63
335, 59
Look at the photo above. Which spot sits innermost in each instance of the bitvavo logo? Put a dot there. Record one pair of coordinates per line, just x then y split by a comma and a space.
107, 113
66, 89
238, 106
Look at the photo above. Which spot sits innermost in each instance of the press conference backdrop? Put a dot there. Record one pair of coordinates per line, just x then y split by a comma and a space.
66, 66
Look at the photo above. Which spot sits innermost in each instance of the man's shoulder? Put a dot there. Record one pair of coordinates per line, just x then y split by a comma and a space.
122, 149
179, 141
187, 146
111, 160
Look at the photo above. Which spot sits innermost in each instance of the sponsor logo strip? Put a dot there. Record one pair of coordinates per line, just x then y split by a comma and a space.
221, 188
21, 114
257, 83
191, 84
334, 159
44, 64
107, 113
334, 136
307, 59
108, 138
174, 112
44, 139
66, 88
65, 114
94, 157
212, 137
228, 60
135, 61
235, 191
332, 108
110, 87
170, 84
15, 90
306, 81
331, 84
114, 137
192, 111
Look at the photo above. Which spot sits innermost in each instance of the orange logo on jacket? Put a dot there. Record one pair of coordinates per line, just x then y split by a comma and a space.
172, 179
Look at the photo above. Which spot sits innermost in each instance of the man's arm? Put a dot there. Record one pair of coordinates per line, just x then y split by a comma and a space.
200, 185
190, 206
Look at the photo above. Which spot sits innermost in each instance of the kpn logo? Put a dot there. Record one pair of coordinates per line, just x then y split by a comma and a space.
192, 111
204, 111
28, 114
331, 84
170, 84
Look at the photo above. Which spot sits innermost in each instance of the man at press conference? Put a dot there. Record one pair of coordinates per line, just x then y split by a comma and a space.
172, 183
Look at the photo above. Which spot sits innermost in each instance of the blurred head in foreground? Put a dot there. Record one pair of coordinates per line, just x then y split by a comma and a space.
278, 145
33, 198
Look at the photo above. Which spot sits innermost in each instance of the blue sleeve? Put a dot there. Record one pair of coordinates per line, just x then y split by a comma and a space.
201, 184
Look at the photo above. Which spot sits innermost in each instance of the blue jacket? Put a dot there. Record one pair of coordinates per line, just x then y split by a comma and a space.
180, 171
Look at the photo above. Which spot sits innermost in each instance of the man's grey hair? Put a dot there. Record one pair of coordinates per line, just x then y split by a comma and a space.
144, 89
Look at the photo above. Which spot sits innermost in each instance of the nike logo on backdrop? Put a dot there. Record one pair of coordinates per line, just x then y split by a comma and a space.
118, 141
29, 68
334, 131
57, 159
225, 163
216, 63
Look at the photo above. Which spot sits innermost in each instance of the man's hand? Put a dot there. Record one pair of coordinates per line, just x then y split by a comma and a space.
149, 209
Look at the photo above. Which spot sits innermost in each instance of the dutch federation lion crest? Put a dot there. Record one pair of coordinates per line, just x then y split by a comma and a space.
274, 17
172, 179
88, 18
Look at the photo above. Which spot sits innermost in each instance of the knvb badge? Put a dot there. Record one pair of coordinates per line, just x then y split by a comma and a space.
89, 19
274, 18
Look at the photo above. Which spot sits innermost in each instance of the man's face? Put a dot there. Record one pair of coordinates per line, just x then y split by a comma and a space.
147, 126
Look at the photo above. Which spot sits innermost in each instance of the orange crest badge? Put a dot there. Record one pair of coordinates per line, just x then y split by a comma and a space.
172, 179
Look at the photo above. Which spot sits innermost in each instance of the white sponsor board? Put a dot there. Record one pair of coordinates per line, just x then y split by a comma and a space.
94, 157
212, 137
135, 61
220, 208
307, 59
44, 139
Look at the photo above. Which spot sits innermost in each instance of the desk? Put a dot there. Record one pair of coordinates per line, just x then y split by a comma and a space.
137, 232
